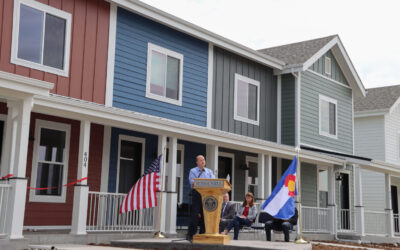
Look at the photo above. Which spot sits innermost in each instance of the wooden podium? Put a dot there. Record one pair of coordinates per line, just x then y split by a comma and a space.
212, 192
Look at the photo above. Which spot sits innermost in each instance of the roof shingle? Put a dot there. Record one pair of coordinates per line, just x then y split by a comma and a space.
297, 53
377, 99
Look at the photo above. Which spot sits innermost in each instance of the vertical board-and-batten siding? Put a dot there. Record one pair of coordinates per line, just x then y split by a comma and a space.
336, 72
369, 137
134, 32
309, 185
88, 49
312, 86
226, 65
288, 110
392, 136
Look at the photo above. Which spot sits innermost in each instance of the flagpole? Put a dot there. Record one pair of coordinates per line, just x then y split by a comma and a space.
159, 234
300, 239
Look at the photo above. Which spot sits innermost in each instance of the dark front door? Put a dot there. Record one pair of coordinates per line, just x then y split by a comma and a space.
345, 201
395, 207
225, 170
130, 162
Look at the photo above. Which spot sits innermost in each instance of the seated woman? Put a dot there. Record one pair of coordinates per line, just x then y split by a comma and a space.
245, 216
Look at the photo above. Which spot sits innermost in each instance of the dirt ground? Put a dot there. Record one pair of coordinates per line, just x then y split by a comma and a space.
316, 246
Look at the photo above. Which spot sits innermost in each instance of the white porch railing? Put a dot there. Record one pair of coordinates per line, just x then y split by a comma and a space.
346, 220
315, 219
396, 224
103, 214
375, 222
4, 195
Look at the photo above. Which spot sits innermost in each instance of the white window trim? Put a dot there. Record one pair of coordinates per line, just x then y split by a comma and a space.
153, 47
318, 169
132, 139
327, 99
232, 156
39, 124
254, 160
328, 70
53, 11
3, 118
249, 81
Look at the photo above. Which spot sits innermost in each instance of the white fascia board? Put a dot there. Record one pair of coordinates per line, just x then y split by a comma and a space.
383, 167
394, 106
97, 113
12, 83
320, 53
198, 32
368, 113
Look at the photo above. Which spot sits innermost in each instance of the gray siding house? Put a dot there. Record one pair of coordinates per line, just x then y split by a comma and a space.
315, 92
377, 135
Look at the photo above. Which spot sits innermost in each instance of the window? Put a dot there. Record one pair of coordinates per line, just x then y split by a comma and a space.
50, 164
41, 37
179, 171
328, 65
247, 99
327, 116
251, 181
164, 75
323, 187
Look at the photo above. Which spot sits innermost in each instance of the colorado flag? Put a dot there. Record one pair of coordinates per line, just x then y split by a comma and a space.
280, 204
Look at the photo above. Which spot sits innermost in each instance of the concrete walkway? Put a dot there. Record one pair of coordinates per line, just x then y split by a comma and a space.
183, 244
72, 247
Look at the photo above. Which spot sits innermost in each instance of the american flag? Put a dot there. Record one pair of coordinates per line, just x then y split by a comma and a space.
143, 193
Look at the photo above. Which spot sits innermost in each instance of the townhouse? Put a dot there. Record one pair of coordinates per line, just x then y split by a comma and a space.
377, 135
98, 89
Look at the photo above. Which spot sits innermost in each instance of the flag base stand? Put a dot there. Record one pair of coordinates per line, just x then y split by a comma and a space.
159, 235
300, 241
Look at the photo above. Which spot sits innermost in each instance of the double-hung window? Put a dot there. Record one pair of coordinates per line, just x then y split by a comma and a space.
247, 100
41, 37
327, 116
50, 161
164, 75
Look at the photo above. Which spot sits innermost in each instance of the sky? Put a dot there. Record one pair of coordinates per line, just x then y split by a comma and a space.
369, 29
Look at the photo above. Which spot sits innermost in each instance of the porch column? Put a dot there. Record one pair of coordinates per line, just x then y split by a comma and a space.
172, 196
358, 204
19, 115
262, 176
162, 144
389, 210
81, 190
212, 158
332, 200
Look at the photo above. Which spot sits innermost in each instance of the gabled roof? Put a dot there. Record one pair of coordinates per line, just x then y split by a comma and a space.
297, 53
377, 100
301, 55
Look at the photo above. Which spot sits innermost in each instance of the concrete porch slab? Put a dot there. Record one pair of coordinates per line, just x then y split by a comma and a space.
183, 244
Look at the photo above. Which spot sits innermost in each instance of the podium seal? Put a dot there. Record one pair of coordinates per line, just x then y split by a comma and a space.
210, 203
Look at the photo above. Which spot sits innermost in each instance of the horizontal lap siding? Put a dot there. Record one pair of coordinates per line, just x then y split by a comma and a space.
336, 72
88, 49
309, 188
373, 186
369, 137
226, 64
133, 35
311, 86
392, 136
288, 109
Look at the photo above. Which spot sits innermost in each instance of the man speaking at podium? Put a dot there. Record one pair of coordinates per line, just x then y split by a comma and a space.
200, 171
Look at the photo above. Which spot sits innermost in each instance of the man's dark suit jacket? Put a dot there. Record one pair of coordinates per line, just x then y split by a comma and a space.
227, 216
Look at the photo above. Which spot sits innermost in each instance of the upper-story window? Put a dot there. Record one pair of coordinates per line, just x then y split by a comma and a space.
327, 116
164, 75
328, 65
247, 100
41, 37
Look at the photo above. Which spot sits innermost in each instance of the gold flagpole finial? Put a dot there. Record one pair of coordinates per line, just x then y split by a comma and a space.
300, 239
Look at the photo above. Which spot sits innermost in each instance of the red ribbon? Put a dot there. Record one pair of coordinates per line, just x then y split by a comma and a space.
7, 176
66, 185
